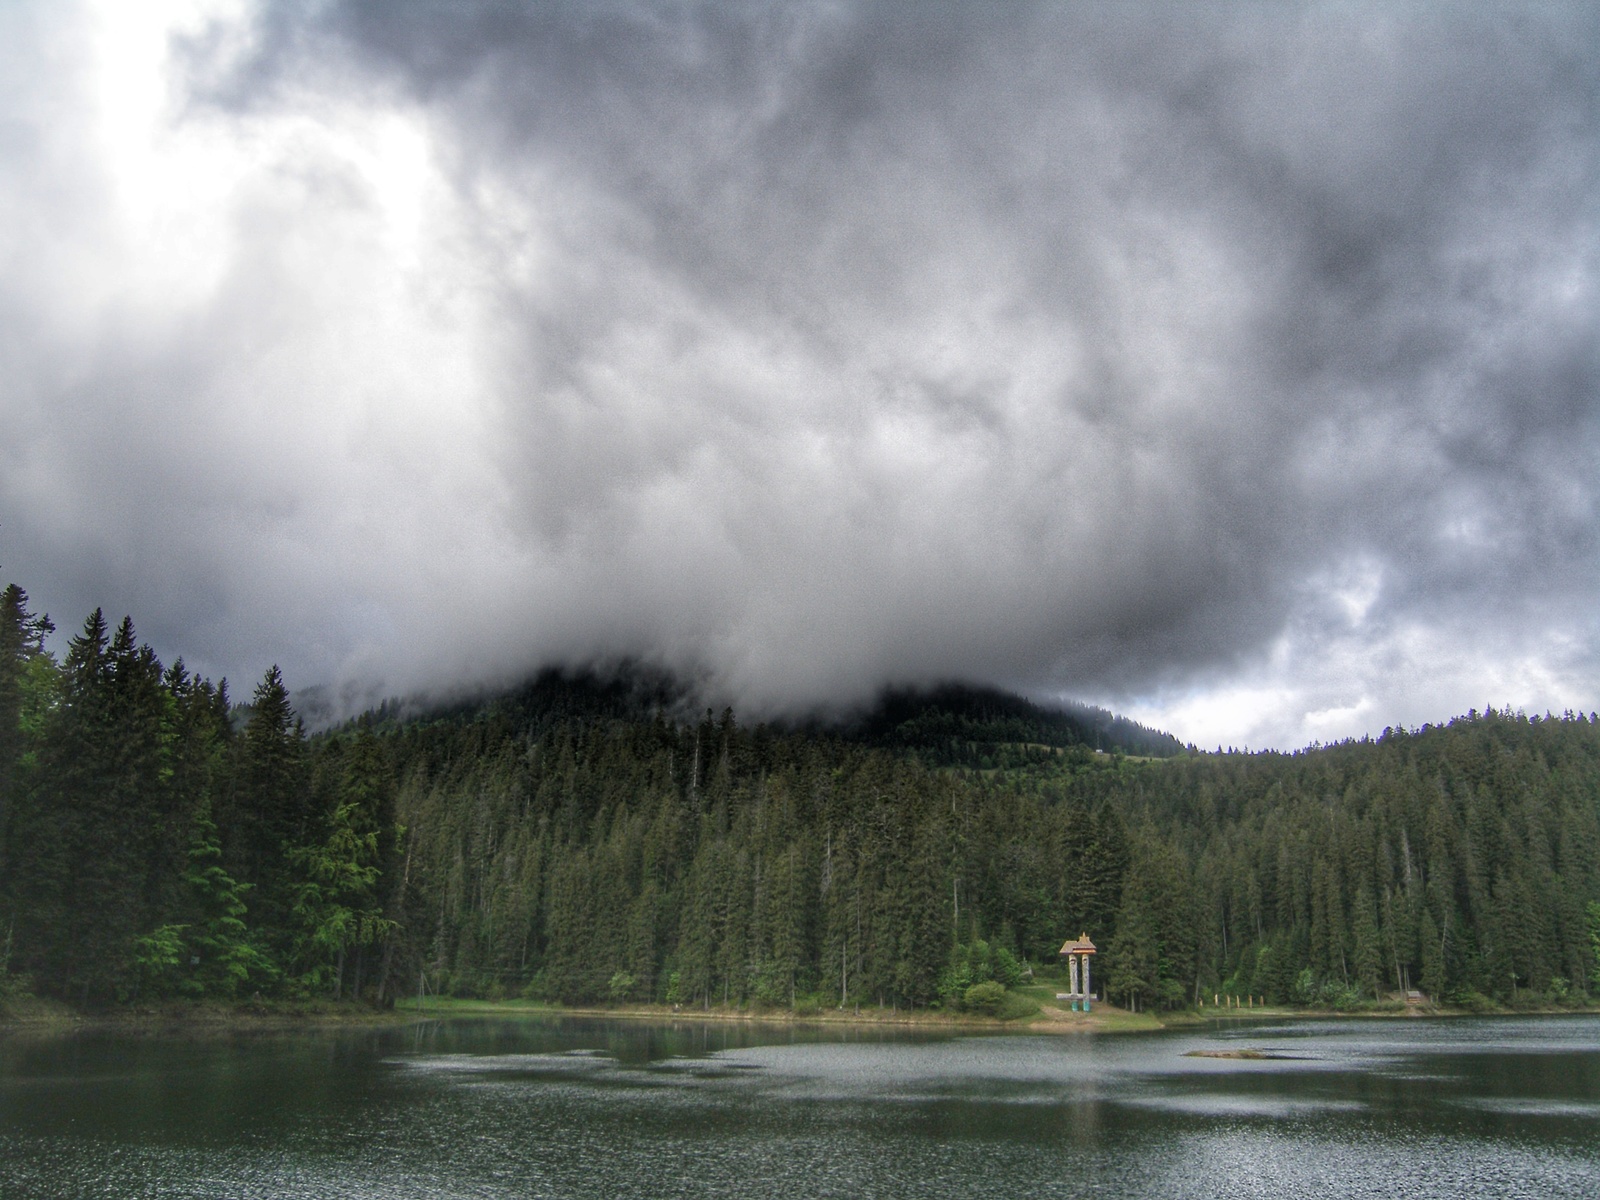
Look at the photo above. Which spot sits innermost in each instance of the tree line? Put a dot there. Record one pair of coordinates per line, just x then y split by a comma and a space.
156, 840
583, 840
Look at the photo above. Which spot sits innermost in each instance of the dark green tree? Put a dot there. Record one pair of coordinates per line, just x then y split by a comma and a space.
27, 688
270, 821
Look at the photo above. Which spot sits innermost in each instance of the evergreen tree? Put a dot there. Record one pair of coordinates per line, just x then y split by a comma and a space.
228, 957
270, 820
561, 842
338, 907
1594, 944
27, 682
99, 813
1368, 944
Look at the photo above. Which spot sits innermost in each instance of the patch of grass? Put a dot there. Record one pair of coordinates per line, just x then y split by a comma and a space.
1043, 993
446, 1006
24, 1008
1119, 1020
1018, 1006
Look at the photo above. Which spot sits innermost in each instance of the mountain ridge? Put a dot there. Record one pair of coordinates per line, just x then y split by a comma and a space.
952, 723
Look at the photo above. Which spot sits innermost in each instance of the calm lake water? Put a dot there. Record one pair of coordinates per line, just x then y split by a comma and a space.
578, 1108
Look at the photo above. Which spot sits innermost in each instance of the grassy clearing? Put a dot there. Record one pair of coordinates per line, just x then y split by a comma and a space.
1017, 1009
1108, 1019
451, 1006
1032, 1007
1044, 993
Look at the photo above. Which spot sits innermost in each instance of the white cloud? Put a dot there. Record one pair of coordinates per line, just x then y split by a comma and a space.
808, 353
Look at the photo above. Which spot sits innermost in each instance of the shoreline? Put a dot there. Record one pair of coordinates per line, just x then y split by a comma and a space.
1047, 1020
52, 1016
176, 1017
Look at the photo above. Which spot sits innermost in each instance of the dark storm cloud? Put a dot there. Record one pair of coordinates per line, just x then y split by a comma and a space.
1122, 350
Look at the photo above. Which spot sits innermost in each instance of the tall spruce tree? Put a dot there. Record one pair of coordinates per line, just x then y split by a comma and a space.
270, 818
27, 680
96, 814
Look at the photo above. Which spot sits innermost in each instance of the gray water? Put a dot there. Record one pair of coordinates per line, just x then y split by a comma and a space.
575, 1108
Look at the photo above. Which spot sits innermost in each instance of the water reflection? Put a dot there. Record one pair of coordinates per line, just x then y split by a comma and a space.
576, 1108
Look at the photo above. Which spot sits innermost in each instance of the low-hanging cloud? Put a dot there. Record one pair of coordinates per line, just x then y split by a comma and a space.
1238, 365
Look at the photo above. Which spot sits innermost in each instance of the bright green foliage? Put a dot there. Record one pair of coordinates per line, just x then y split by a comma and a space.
340, 902
229, 959
987, 998
338, 908
969, 964
158, 959
212, 954
974, 963
1007, 970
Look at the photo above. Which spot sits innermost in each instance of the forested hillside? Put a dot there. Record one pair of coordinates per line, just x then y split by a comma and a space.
958, 725
577, 841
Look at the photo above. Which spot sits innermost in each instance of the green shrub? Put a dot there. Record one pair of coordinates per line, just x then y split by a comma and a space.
620, 986
1305, 987
1339, 996
1018, 1007
987, 998
158, 958
1473, 1001
1006, 968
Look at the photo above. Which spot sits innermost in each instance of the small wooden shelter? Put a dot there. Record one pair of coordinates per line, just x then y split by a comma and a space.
1077, 955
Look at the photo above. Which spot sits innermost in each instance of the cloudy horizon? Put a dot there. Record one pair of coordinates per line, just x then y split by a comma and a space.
1236, 369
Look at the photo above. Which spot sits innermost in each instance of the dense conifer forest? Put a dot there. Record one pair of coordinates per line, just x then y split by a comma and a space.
585, 840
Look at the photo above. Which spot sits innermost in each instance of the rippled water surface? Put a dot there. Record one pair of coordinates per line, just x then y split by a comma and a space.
573, 1108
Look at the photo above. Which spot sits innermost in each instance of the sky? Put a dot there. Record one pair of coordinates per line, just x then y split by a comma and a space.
1235, 366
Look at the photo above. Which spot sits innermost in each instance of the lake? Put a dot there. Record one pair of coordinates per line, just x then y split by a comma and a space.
565, 1107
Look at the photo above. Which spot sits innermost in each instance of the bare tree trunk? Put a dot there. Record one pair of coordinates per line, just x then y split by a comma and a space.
389, 938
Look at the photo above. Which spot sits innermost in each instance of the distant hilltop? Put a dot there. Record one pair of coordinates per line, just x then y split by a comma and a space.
947, 724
